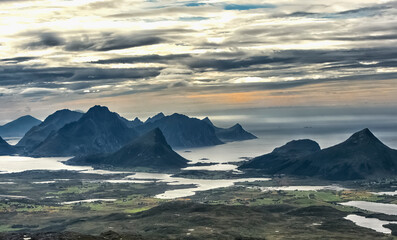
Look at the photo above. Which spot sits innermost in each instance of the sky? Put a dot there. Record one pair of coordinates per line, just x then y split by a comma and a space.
142, 57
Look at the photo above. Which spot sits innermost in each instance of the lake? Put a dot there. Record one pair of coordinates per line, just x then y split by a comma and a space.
385, 208
371, 223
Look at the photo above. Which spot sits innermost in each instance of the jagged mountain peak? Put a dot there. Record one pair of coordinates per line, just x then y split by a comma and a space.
156, 117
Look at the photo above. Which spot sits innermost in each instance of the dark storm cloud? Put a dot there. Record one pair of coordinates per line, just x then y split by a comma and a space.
296, 58
130, 73
144, 59
112, 42
46, 39
17, 59
102, 42
46, 77
227, 64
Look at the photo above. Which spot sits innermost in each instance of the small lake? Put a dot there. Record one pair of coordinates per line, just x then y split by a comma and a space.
386, 193
371, 223
385, 208
200, 184
89, 201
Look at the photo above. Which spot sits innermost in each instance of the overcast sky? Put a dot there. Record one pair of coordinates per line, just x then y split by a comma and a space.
140, 57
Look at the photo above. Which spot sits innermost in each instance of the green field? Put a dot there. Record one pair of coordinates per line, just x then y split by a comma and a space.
239, 212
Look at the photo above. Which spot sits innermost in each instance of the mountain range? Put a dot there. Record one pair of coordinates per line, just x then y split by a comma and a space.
97, 131
181, 131
71, 133
51, 124
18, 127
359, 157
149, 151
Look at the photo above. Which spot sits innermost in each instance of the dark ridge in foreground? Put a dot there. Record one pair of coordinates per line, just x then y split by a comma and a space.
5, 148
362, 156
51, 124
97, 131
109, 235
18, 127
149, 151
282, 156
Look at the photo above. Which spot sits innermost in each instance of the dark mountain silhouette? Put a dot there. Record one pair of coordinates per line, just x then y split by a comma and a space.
132, 124
182, 131
51, 124
5, 148
234, 133
18, 127
136, 122
97, 131
282, 156
149, 151
155, 118
359, 157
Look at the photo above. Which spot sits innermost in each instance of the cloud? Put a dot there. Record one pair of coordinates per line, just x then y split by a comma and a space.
45, 39
82, 49
145, 59
112, 42
17, 59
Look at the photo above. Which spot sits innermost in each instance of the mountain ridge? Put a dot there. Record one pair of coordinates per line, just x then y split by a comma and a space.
97, 131
361, 156
52, 123
19, 126
150, 150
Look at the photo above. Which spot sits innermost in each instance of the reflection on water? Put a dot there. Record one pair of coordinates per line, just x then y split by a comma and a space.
230, 152
385, 208
200, 184
215, 167
12, 164
386, 193
371, 223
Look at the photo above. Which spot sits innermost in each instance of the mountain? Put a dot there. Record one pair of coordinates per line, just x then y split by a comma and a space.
5, 148
362, 156
155, 118
136, 122
149, 151
282, 156
132, 124
234, 133
18, 127
51, 124
97, 131
182, 131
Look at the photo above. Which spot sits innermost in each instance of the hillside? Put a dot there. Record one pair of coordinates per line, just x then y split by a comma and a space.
149, 151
